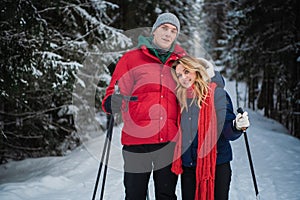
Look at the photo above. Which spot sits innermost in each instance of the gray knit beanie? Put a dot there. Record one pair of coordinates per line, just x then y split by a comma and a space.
166, 18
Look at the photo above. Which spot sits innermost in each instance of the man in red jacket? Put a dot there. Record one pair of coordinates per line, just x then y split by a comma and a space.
150, 121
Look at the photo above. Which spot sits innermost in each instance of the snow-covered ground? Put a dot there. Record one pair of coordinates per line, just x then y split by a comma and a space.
275, 154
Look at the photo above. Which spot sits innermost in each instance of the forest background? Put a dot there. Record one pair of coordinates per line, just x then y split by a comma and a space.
56, 59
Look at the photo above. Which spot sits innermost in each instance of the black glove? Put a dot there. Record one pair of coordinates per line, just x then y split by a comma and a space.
116, 103
113, 102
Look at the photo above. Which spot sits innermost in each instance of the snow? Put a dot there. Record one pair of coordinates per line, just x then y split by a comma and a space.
275, 155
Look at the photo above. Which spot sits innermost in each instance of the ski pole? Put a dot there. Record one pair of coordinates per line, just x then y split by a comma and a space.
240, 110
148, 197
104, 152
109, 136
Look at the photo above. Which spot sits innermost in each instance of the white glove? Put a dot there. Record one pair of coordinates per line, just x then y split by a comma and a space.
241, 121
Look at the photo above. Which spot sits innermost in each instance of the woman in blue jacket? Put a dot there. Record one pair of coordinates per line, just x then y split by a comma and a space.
207, 124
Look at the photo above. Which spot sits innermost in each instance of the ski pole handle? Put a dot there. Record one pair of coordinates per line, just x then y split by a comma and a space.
241, 111
116, 88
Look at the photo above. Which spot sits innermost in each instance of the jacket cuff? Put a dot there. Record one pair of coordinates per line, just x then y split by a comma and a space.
107, 105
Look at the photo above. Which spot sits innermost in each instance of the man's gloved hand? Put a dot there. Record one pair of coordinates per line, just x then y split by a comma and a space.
116, 103
241, 121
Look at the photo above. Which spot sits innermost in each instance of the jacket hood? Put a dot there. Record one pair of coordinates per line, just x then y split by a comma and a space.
215, 76
145, 41
218, 79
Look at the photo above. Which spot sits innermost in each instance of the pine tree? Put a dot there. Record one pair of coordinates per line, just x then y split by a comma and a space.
260, 47
45, 46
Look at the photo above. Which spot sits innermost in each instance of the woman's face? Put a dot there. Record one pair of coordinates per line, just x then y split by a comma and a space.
185, 77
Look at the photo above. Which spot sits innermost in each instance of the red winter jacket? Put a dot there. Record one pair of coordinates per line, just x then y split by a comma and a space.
152, 118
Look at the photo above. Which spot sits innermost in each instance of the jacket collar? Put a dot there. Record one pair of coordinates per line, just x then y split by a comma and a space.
145, 44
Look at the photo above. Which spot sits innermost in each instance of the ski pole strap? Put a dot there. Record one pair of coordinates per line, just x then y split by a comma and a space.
127, 99
130, 98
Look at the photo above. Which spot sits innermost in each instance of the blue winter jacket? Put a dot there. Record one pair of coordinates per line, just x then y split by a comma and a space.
226, 131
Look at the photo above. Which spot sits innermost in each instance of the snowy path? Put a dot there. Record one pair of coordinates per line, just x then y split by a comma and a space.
276, 158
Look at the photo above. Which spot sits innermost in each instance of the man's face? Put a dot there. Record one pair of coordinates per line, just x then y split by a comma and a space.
165, 35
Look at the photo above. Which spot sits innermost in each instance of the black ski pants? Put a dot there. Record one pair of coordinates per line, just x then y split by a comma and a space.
222, 182
140, 161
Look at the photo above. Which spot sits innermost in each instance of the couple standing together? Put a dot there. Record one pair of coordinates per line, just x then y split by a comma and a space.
180, 121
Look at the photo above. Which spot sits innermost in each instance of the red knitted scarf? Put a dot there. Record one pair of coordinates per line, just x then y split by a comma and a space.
207, 152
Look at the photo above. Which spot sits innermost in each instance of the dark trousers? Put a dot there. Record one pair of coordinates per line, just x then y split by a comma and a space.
222, 182
140, 161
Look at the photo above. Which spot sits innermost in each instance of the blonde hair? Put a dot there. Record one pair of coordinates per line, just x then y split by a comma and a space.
201, 85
